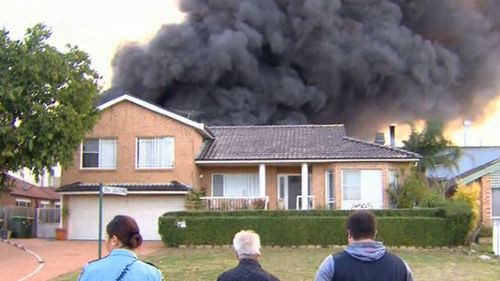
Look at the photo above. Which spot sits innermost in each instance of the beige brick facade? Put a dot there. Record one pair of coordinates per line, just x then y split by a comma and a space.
125, 122
317, 172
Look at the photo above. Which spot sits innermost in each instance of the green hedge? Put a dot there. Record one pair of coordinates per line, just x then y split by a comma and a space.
416, 227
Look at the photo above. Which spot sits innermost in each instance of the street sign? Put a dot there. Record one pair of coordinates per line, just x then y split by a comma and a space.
106, 189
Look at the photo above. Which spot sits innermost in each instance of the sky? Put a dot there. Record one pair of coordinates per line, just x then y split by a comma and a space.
100, 27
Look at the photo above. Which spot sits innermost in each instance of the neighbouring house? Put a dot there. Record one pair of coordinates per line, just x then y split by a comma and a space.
477, 165
26, 194
160, 156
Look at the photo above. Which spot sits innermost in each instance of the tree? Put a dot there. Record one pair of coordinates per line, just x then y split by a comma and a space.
47, 102
434, 147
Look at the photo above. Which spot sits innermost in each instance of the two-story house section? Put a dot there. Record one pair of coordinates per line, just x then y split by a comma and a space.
139, 146
159, 156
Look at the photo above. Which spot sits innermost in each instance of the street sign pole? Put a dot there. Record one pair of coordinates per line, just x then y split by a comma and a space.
100, 221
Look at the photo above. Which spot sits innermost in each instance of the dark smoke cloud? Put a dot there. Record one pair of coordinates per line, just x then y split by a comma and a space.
365, 63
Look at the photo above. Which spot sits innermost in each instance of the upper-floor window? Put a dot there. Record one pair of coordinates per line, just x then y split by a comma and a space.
99, 153
155, 153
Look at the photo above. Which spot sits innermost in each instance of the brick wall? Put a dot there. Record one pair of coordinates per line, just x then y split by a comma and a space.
485, 204
126, 121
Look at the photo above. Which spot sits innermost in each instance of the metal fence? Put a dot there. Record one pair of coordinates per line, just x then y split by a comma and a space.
45, 220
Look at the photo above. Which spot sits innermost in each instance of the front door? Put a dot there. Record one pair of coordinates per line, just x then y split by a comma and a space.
290, 186
294, 190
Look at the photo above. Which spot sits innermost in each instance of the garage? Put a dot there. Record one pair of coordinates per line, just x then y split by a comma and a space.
145, 206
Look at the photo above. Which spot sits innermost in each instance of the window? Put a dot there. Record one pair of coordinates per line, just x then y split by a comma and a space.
99, 153
23, 202
238, 185
352, 185
57, 204
393, 185
155, 153
44, 204
495, 202
329, 189
362, 189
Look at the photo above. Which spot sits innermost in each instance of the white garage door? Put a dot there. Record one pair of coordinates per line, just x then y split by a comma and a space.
84, 213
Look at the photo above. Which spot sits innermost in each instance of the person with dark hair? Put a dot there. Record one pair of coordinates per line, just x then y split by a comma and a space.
121, 264
364, 258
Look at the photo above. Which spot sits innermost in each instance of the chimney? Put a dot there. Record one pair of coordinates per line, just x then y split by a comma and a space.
392, 135
379, 138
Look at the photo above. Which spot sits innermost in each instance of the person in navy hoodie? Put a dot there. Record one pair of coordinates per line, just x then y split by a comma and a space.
364, 258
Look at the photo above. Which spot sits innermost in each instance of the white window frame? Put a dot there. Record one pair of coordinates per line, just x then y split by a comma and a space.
330, 200
99, 154
370, 201
44, 204
23, 202
224, 192
57, 204
392, 185
344, 185
156, 139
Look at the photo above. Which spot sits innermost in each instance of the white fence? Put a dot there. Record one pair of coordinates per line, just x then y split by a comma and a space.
235, 203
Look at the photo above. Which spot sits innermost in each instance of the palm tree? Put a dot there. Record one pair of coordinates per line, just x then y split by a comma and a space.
435, 148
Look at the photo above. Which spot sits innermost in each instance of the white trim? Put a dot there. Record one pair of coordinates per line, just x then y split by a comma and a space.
23, 200
299, 161
262, 180
128, 192
157, 109
304, 179
327, 201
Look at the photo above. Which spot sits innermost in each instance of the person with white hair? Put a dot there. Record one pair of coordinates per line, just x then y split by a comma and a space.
246, 245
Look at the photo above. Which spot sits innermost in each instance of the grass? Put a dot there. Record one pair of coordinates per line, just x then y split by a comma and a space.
298, 264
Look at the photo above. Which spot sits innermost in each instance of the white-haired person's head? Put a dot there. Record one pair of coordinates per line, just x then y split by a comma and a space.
246, 244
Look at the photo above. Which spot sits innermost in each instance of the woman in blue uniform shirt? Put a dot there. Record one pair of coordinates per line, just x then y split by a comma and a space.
121, 264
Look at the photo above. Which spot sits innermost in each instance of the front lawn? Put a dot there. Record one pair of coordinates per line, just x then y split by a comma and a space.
297, 264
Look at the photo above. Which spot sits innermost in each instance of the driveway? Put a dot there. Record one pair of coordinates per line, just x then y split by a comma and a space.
59, 257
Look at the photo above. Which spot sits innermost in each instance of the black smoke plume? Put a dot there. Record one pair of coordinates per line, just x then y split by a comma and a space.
364, 63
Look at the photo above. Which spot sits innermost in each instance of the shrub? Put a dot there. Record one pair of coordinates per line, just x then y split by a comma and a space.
416, 227
469, 195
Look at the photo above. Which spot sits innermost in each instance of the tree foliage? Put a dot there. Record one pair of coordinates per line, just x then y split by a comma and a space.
47, 102
410, 191
435, 148
470, 196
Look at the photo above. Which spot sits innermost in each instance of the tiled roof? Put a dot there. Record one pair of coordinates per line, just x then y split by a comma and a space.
26, 189
290, 142
93, 187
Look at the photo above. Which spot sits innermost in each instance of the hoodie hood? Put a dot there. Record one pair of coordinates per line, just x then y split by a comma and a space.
366, 251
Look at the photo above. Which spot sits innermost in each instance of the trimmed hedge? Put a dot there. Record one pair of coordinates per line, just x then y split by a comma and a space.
415, 227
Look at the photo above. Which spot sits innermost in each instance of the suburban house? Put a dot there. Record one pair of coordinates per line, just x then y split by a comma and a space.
23, 193
477, 165
159, 156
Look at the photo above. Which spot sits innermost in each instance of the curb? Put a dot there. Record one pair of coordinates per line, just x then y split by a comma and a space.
40, 260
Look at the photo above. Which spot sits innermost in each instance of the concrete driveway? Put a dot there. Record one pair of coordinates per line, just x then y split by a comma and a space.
21, 257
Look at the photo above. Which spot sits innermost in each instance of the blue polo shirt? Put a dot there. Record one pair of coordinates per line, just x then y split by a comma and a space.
120, 262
